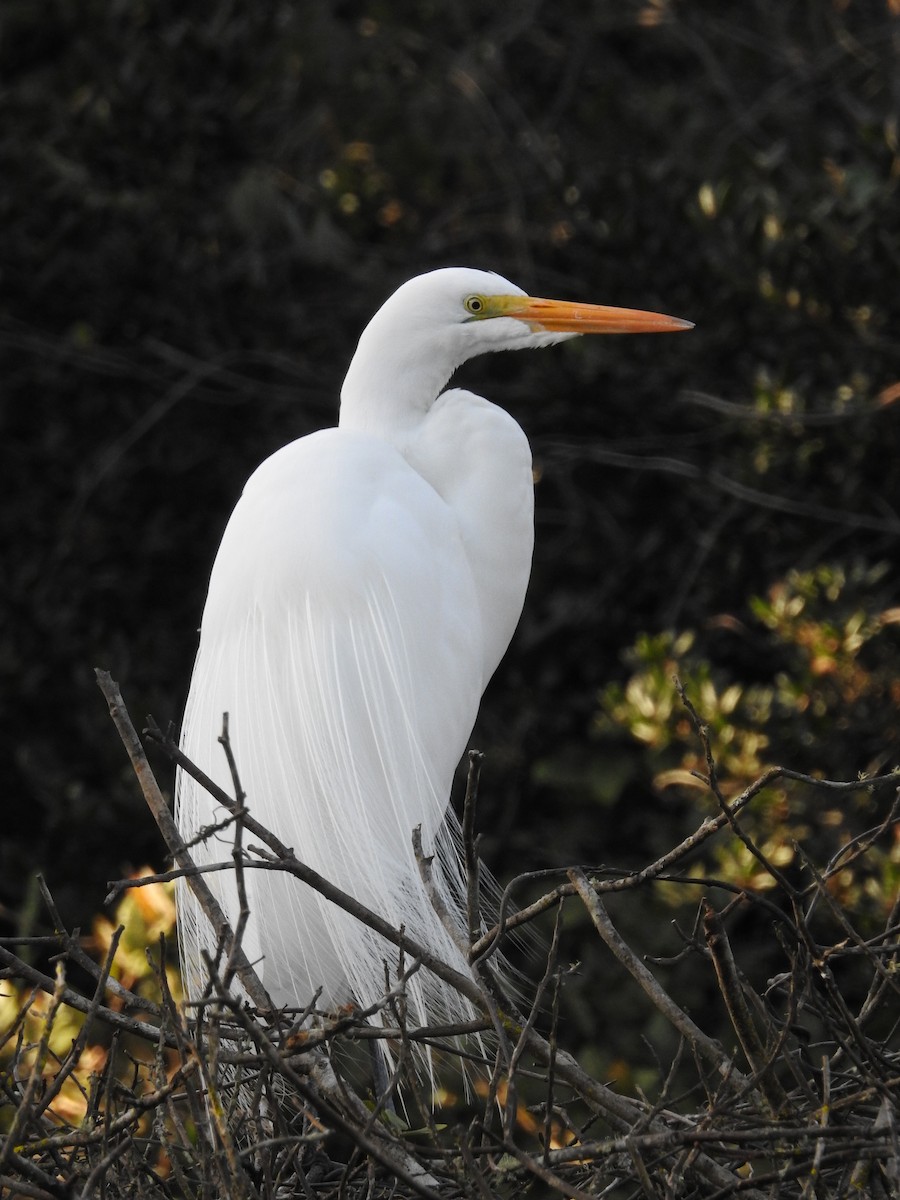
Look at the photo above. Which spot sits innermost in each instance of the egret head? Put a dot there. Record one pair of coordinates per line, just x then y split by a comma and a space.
479, 311
435, 322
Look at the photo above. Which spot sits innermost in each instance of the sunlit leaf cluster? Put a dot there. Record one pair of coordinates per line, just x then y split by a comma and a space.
827, 672
38, 1030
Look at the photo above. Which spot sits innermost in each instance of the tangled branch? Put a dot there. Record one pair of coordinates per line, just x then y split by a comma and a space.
231, 1096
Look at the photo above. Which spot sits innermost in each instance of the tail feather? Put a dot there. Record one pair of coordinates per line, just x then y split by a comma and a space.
341, 755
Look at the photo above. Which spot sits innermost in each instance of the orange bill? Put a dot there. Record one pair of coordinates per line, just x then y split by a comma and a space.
563, 316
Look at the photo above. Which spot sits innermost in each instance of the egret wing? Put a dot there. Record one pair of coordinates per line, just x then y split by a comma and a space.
347, 712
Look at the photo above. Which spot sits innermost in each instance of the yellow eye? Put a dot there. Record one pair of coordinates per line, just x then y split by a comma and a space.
475, 305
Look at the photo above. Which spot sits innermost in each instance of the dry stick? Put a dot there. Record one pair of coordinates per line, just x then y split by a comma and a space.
796, 981
81, 1040
489, 1000
741, 1018
163, 1111
712, 825
15, 967
73, 949
376, 1143
18, 969
840, 916
707, 829
473, 1169
710, 1049
867, 1050
139, 1105
876, 988
864, 1152
672, 1139
153, 796
425, 864
100, 1170
234, 948
118, 886
46, 941
417, 1104
861, 844
621, 1113
543, 1173
712, 781
640, 1169
489, 941
18, 1187
169, 830
237, 855
824, 1115
856, 1040
37, 1068
553, 972
232, 1178
30, 1170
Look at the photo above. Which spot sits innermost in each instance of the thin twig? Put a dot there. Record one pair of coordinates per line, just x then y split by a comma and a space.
169, 830
710, 1049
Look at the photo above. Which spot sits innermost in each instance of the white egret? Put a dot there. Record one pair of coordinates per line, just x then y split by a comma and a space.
367, 585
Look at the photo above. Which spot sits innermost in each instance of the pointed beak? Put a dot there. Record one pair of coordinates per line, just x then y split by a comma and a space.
562, 316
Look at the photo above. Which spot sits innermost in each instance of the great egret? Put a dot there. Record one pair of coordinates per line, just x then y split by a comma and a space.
367, 585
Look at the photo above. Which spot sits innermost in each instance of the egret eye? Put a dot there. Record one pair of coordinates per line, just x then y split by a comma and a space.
474, 305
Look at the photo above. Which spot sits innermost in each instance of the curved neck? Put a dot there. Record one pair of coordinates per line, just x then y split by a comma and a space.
394, 378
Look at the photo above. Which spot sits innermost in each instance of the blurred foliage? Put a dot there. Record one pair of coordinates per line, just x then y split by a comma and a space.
47, 1035
834, 668
824, 700
37, 1031
825, 664
144, 914
202, 211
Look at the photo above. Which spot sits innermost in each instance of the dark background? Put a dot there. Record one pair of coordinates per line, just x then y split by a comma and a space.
200, 213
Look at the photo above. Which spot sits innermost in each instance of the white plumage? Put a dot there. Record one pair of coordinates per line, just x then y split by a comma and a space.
367, 585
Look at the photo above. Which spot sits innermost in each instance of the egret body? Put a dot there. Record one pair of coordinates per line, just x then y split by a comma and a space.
367, 586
